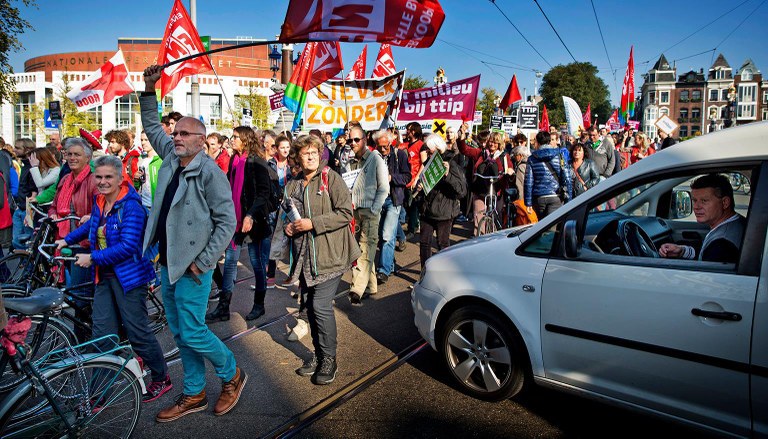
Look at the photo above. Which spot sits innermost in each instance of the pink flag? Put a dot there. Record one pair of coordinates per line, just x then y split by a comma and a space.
385, 63
109, 82
358, 69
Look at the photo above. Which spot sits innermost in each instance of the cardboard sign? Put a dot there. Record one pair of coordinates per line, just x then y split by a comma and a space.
666, 124
276, 101
350, 177
433, 171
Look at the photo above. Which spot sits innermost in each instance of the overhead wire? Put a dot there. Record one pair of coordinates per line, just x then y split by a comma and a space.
555, 30
736, 28
478, 59
521, 34
700, 29
602, 38
516, 65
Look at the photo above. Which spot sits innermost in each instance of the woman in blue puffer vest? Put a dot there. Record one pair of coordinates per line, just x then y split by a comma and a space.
121, 272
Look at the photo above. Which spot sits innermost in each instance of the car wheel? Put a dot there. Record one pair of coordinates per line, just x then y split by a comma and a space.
483, 353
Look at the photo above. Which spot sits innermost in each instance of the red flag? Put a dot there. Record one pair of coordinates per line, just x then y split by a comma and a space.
327, 62
587, 119
318, 63
180, 40
407, 23
385, 63
544, 125
511, 96
109, 82
613, 120
628, 88
358, 69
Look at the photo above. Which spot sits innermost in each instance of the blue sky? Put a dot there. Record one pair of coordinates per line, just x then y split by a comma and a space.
652, 26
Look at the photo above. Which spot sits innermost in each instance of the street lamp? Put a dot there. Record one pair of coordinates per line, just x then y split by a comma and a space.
538, 76
274, 61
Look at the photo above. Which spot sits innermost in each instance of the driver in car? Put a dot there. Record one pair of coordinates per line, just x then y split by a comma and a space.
713, 205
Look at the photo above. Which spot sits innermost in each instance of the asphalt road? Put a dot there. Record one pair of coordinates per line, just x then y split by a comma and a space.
412, 398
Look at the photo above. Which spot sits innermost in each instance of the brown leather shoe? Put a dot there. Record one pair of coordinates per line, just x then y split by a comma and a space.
230, 393
184, 405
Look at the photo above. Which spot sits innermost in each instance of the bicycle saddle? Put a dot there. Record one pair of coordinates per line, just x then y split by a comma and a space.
42, 300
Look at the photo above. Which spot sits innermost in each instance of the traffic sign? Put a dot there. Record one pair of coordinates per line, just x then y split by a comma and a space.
50, 124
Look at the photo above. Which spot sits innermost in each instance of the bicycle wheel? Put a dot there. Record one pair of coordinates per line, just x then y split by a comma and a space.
41, 339
15, 268
100, 399
735, 179
485, 226
159, 324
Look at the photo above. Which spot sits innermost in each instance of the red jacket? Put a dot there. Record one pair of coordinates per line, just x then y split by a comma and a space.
475, 155
414, 159
82, 199
223, 160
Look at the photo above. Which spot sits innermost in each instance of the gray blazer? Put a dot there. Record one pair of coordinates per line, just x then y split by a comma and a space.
201, 221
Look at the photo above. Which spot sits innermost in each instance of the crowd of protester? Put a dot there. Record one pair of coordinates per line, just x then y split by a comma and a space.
308, 209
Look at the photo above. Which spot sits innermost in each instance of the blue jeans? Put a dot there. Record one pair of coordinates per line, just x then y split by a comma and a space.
20, 231
389, 226
186, 317
259, 255
113, 307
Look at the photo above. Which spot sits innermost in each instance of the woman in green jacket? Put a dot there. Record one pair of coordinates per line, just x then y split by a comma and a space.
322, 247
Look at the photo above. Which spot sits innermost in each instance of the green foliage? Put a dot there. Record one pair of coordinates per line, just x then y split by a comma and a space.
11, 27
257, 103
487, 106
578, 81
414, 82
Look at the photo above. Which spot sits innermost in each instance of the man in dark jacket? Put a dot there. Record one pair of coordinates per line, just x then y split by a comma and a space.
399, 176
441, 204
547, 178
666, 140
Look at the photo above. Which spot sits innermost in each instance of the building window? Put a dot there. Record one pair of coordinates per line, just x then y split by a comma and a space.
746, 111
712, 112
765, 114
683, 114
696, 95
747, 93
651, 77
684, 96
724, 112
127, 111
94, 116
652, 98
664, 97
765, 97
719, 74
167, 104
724, 94
683, 131
696, 115
746, 75
24, 122
651, 114
714, 95
663, 111
210, 108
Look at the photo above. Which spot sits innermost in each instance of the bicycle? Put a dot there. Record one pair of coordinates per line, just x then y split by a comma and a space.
79, 391
739, 181
490, 221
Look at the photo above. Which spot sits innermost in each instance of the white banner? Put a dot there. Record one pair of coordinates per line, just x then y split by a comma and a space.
572, 116
372, 102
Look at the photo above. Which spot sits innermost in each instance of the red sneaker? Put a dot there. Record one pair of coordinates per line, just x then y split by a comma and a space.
157, 389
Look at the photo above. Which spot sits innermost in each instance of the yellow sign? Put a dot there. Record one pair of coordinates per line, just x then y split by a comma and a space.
439, 126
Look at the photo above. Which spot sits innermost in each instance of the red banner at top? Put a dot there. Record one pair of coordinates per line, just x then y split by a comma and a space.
407, 23
180, 40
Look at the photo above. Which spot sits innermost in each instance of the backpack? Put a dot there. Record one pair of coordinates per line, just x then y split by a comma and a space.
488, 168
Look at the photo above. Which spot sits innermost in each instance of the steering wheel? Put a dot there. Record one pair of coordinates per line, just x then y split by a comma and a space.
635, 240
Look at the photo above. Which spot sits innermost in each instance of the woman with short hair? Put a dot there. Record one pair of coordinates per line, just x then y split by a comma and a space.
322, 248
121, 272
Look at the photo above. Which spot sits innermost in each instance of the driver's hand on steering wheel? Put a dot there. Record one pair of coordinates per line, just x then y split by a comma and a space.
670, 251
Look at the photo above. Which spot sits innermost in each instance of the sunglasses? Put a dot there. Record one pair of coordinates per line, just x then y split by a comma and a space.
356, 139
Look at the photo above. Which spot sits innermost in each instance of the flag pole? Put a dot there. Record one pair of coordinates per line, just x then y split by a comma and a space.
220, 49
223, 93
344, 91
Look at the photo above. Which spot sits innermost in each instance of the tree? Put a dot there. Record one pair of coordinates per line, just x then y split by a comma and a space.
487, 105
578, 81
11, 27
256, 102
413, 82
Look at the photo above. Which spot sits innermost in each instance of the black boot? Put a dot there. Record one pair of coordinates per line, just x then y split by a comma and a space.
258, 305
221, 313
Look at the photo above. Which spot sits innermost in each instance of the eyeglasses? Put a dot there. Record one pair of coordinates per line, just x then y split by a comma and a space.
356, 139
313, 153
185, 134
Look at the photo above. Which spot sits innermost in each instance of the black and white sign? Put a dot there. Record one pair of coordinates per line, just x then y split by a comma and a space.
496, 122
529, 117
247, 117
54, 108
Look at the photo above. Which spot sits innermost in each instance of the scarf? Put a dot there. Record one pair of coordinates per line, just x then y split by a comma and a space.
66, 191
238, 178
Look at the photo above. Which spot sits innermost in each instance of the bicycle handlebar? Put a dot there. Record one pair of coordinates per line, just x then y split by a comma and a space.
487, 177
51, 257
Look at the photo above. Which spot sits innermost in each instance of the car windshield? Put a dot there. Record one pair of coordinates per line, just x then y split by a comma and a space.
621, 199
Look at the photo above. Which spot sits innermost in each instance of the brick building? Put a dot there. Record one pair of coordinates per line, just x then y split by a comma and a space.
689, 98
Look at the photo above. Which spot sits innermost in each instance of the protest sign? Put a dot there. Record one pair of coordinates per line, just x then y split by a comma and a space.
372, 102
350, 177
529, 118
496, 123
432, 173
509, 125
478, 119
247, 117
276, 101
452, 102
666, 124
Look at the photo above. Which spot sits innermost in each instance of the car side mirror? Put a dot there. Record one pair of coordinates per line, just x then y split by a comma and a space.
681, 205
570, 239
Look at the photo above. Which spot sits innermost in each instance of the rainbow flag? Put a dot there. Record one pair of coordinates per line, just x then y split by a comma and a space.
318, 62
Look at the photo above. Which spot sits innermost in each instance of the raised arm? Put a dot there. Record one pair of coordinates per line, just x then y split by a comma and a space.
150, 120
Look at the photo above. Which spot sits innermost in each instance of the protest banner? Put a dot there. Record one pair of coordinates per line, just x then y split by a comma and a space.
372, 102
432, 173
452, 102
